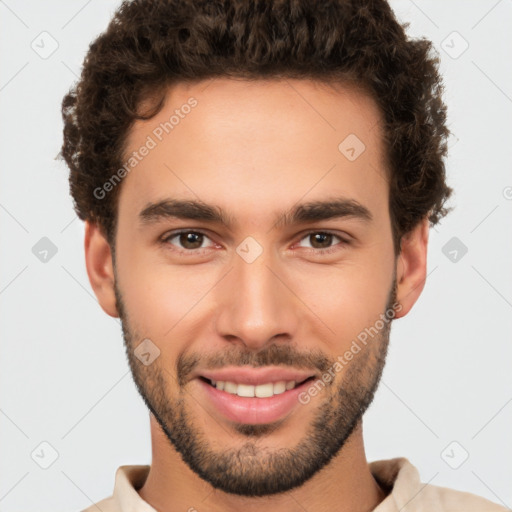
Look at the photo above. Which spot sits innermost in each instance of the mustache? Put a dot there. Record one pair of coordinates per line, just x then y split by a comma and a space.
273, 355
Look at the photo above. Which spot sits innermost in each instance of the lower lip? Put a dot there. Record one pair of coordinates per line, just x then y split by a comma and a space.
255, 410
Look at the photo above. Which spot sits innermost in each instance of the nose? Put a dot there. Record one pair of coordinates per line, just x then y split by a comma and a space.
256, 304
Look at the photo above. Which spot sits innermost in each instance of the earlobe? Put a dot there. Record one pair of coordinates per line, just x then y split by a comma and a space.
99, 264
411, 271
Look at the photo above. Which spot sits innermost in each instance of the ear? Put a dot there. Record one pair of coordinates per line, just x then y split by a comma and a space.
411, 269
99, 264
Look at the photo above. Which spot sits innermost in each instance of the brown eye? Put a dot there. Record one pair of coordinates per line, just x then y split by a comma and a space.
322, 239
191, 240
187, 240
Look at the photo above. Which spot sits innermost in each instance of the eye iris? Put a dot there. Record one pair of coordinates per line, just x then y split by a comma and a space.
195, 239
323, 237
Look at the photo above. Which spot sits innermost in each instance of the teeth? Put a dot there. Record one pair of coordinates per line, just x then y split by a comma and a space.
290, 385
261, 391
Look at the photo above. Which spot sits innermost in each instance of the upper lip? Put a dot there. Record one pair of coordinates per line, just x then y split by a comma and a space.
256, 376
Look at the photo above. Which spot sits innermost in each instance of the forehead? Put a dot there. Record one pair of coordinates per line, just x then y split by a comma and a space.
265, 143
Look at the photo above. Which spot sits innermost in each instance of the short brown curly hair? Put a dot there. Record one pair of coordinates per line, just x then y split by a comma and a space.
151, 44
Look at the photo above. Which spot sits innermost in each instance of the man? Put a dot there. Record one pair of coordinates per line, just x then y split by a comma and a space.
257, 181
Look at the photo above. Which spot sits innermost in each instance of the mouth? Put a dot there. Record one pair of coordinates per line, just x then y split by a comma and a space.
252, 404
264, 390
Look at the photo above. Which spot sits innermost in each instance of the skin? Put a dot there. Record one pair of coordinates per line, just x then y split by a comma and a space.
290, 306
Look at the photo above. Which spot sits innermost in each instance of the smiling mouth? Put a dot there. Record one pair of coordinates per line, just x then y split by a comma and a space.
265, 390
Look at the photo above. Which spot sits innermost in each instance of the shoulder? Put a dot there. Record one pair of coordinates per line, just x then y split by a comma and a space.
105, 505
128, 480
453, 500
404, 489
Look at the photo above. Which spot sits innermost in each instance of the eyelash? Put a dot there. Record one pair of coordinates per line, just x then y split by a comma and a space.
194, 252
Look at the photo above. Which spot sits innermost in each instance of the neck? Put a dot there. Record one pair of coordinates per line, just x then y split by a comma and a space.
344, 485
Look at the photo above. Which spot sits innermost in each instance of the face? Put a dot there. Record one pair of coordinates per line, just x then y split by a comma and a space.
265, 276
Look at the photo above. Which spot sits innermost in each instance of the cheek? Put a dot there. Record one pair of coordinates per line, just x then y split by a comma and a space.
345, 298
159, 299
162, 299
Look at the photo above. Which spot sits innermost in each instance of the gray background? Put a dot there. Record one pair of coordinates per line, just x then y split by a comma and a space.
64, 377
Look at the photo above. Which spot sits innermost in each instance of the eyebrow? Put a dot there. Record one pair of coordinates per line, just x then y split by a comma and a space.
312, 211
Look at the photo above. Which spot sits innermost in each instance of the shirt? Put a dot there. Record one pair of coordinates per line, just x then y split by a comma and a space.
397, 477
